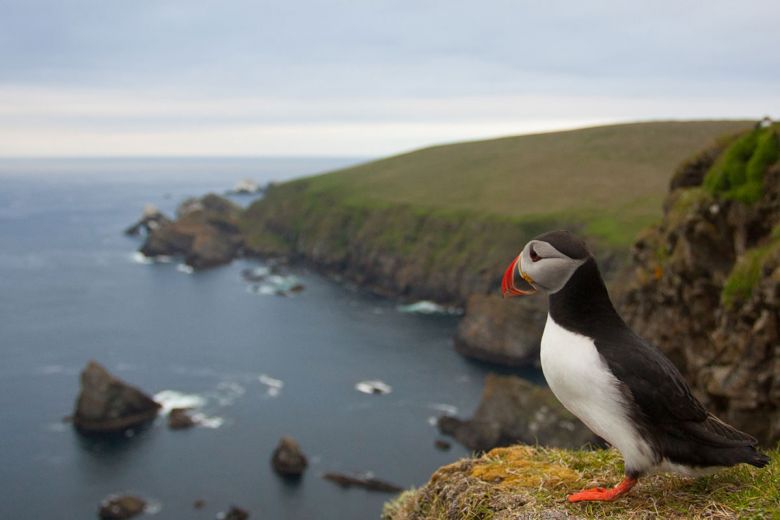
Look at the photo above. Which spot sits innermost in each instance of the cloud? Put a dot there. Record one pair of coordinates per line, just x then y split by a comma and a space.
380, 76
54, 122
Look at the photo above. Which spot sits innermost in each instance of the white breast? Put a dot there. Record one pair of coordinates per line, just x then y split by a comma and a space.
583, 383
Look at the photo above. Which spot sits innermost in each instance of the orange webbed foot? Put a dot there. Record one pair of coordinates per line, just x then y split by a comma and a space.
600, 494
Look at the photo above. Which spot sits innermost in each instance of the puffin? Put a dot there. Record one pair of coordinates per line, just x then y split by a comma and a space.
618, 384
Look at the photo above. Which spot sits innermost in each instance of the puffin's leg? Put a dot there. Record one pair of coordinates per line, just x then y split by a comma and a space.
604, 495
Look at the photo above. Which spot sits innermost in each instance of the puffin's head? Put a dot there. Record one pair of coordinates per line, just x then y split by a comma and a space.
545, 264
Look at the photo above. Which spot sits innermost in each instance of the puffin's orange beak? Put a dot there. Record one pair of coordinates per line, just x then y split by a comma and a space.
516, 283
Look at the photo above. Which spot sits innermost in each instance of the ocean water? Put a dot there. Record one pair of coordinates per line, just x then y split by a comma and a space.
255, 365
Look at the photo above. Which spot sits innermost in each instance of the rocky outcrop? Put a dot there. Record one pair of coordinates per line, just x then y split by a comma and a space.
205, 233
288, 459
504, 332
151, 219
121, 507
511, 411
106, 404
367, 482
180, 419
705, 285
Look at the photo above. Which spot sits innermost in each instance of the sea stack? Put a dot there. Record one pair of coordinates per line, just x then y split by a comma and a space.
109, 405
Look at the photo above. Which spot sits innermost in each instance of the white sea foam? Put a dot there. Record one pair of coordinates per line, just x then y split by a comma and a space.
184, 268
273, 386
276, 284
140, 258
227, 392
152, 507
208, 421
428, 307
170, 399
447, 409
373, 386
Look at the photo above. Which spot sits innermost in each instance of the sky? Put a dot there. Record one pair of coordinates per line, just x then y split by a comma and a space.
366, 77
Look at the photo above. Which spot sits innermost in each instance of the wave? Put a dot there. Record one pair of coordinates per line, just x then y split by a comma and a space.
428, 307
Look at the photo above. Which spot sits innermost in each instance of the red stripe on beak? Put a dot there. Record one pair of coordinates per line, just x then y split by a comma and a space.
506, 282
508, 286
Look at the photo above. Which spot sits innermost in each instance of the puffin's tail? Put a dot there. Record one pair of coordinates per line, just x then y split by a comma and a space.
758, 459
725, 444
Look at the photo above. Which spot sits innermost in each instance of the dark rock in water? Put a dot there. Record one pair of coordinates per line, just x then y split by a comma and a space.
513, 411
442, 445
151, 219
288, 460
199, 504
499, 331
205, 233
234, 513
367, 482
107, 404
121, 507
180, 419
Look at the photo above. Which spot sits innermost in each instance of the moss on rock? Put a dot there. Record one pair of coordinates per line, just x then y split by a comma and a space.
524, 482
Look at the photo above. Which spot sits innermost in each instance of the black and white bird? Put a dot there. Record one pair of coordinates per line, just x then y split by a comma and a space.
619, 384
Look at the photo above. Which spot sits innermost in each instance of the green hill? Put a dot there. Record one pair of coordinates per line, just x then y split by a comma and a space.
442, 222
599, 174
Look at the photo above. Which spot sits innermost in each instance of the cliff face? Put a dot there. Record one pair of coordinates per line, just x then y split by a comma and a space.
705, 282
391, 248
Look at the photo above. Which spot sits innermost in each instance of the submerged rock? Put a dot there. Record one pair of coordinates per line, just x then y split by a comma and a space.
364, 481
121, 507
106, 404
180, 419
205, 233
502, 332
512, 411
288, 460
234, 513
442, 445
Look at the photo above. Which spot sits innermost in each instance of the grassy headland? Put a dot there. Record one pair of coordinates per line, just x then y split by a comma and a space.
440, 222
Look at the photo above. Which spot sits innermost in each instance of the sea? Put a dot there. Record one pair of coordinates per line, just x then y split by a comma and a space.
356, 379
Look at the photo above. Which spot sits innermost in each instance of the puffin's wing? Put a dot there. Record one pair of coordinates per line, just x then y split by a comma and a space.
657, 387
661, 393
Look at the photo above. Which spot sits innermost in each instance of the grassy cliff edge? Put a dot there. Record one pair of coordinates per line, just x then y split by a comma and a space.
522, 482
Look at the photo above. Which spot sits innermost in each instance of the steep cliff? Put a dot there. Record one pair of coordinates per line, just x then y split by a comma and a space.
705, 281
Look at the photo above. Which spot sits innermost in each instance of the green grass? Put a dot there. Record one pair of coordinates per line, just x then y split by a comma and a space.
739, 173
527, 482
746, 272
611, 178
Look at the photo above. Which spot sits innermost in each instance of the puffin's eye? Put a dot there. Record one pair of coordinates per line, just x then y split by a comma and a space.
534, 256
